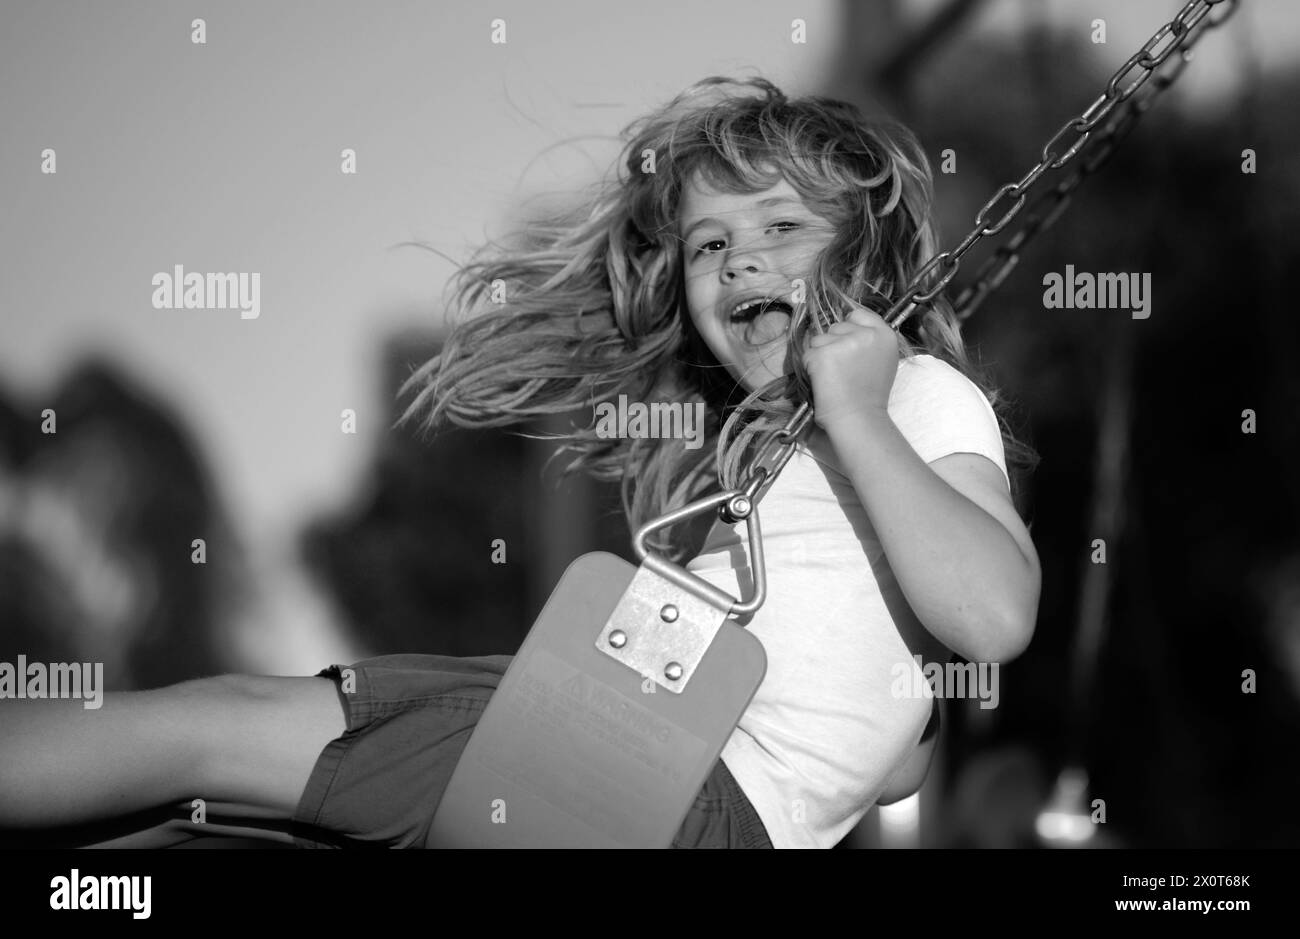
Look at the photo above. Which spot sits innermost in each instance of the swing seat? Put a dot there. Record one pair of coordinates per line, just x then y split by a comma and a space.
579, 749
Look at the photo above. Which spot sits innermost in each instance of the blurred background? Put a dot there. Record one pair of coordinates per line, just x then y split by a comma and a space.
324, 546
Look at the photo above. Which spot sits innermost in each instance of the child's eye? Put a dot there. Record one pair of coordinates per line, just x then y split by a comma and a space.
704, 248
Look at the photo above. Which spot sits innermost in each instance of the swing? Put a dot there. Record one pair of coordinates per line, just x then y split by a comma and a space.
619, 701
632, 679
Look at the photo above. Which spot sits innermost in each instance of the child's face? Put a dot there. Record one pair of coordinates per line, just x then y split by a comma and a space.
735, 246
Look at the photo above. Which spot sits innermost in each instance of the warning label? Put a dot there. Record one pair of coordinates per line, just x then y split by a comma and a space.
593, 751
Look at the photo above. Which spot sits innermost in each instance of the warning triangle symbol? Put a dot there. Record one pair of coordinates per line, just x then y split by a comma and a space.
575, 687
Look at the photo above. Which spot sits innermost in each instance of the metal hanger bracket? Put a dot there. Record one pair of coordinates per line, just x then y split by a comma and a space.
660, 630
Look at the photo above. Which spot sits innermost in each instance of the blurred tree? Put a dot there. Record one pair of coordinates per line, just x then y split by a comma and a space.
95, 557
411, 560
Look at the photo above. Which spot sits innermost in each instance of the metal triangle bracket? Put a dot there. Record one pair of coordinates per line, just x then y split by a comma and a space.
668, 617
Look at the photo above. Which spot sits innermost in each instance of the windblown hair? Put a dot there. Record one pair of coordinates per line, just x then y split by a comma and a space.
588, 302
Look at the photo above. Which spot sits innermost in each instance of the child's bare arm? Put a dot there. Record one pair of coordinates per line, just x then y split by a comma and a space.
248, 742
961, 554
963, 558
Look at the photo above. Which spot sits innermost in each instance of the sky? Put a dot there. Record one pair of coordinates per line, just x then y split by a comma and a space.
225, 156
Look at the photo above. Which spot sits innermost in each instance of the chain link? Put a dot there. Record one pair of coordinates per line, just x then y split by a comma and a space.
1182, 33
768, 463
1120, 111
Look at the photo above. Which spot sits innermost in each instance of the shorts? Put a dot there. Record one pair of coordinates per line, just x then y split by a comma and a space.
408, 720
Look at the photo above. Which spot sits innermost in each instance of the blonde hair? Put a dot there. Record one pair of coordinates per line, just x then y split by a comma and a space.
595, 295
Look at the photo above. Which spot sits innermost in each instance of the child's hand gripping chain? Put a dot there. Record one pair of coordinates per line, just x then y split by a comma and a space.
852, 366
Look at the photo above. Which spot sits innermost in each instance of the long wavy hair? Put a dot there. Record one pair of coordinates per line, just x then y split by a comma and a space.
587, 302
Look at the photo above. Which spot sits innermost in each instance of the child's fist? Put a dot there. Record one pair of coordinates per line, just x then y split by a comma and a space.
852, 367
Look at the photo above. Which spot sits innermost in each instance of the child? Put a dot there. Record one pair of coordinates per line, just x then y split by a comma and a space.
746, 251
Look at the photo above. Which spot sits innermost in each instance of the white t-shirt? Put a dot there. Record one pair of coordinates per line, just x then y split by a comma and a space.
824, 734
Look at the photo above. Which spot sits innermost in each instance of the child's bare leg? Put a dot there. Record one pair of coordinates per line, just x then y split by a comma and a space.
247, 742
162, 828
222, 820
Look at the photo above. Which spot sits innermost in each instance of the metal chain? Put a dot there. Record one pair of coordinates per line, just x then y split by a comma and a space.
1187, 29
1183, 32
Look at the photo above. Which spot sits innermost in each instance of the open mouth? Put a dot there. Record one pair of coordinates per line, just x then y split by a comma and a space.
756, 323
750, 311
